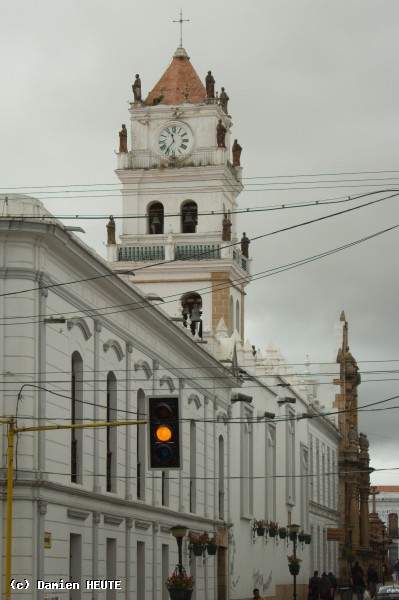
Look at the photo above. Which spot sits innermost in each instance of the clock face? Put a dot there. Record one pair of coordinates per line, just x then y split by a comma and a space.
175, 140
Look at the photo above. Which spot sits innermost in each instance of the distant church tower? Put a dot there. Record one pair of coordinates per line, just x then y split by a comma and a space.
180, 186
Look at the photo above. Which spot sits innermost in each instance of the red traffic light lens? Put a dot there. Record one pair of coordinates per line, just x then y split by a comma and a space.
162, 412
163, 433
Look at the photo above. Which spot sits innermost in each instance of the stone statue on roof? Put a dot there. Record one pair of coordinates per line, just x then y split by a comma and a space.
210, 85
111, 231
245, 241
236, 151
226, 228
123, 139
223, 100
137, 89
221, 134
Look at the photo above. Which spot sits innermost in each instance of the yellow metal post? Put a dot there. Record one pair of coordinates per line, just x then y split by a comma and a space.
10, 463
12, 430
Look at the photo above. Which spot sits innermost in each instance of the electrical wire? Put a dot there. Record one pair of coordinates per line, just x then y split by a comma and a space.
289, 228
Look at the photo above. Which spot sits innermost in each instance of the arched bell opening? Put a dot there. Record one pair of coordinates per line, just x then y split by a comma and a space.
156, 218
189, 217
191, 304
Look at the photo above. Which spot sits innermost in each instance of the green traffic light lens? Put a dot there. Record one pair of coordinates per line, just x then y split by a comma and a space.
164, 453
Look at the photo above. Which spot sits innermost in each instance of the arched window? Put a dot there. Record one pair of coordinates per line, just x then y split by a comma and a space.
76, 417
111, 433
140, 448
193, 466
238, 326
231, 324
221, 477
156, 218
191, 303
189, 217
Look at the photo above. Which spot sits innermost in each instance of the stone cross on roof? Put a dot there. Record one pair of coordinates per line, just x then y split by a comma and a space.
181, 21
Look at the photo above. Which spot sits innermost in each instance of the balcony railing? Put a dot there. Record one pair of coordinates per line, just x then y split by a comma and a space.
158, 253
141, 253
197, 252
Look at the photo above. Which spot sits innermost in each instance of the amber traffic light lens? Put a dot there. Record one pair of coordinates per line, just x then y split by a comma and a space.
163, 433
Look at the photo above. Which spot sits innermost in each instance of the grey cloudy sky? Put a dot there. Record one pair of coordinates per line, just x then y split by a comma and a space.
314, 100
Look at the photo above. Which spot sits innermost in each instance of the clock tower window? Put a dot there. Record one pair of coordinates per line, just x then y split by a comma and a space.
155, 218
189, 217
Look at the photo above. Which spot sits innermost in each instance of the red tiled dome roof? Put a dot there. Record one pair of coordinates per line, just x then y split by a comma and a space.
180, 83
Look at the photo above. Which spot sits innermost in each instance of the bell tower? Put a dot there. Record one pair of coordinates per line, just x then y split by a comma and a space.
179, 199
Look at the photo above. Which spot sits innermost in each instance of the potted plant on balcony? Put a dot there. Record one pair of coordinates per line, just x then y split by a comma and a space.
260, 526
294, 564
273, 528
282, 531
197, 543
180, 585
308, 538
212, 545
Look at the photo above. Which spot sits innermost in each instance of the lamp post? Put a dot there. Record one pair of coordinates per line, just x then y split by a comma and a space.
293, 529
179, 531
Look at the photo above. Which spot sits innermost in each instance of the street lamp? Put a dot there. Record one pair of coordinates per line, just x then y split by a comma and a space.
293, 529
383, 555
179, 531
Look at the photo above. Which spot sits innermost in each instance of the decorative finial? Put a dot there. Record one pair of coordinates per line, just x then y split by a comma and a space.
181, 21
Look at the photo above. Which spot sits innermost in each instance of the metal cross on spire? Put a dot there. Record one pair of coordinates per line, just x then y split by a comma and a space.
181, 21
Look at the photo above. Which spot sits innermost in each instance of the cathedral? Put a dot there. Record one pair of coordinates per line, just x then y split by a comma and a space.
164, 316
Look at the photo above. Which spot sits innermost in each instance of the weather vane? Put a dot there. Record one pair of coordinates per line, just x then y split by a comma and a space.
181, 21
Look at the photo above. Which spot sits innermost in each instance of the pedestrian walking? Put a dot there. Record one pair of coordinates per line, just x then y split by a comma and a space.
325, 587
333, 580
372, 580
396, 569
314, 586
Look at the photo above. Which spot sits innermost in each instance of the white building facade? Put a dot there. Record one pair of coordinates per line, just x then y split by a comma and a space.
89, 492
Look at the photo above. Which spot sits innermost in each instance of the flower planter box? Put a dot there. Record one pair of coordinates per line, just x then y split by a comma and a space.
212, 549
294, 568
197, 550
282, 534
176, 593
260, 530
180, 594
272, 532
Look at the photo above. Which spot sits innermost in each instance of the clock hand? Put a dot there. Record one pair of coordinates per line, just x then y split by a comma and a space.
172, 142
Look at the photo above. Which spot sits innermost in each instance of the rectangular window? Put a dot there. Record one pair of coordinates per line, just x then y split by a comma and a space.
111, 566
247, 464
270, 485
140, 573
290, 457
165, 488
193, 467
76, 417
141, 464
75, 564
112, 433
165, 571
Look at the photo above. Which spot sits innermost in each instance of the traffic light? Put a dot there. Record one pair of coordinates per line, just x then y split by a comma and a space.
164, 432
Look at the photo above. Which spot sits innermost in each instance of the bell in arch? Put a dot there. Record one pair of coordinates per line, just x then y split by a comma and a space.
188, 219
155, 220
195, 314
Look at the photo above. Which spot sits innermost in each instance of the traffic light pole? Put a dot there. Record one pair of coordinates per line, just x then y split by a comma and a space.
12, 430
